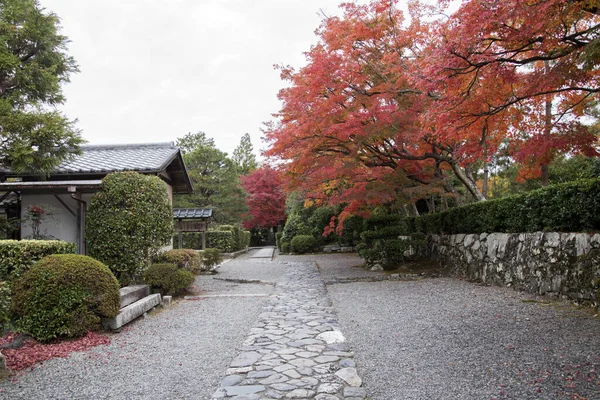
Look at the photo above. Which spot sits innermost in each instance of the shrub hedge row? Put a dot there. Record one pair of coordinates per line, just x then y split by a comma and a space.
17, 256
226, 238
566, 207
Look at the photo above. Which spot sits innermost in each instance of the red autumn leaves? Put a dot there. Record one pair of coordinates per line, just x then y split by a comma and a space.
389, 104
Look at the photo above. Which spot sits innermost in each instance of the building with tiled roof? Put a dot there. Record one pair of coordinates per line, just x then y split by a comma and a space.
68, 188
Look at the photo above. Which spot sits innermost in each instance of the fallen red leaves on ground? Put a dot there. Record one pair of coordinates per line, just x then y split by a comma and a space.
33, 352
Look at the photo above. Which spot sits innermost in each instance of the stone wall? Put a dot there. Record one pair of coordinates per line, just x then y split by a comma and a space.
551, 263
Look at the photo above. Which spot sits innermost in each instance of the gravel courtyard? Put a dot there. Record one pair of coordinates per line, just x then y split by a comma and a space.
432, 338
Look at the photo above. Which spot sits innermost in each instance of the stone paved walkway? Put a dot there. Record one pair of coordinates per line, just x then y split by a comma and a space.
265, 252
296, 351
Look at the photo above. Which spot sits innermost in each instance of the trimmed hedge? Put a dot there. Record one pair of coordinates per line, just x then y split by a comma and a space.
128, 222
4, 303
17, 256
64, 295
226, 238
303, 244
567, 207
168, 278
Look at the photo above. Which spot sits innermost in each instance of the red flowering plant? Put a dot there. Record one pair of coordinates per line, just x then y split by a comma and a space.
35, 216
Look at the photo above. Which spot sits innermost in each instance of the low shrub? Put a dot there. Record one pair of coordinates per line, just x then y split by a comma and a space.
17, 256
4, 303
168, 278
184, 258
285, 247
64, 295
211, 258
303, 244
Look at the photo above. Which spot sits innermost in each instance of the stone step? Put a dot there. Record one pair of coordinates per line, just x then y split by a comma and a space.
133, 293
132, 311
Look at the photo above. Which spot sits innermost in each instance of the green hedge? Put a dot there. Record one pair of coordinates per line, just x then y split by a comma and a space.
227, 239
17, 256
129, 221
567, 207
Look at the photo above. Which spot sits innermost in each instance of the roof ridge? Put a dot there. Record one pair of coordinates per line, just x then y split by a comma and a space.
128, 146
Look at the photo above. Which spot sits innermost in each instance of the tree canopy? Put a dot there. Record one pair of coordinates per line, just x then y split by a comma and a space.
215, 178
34, 136
390, 108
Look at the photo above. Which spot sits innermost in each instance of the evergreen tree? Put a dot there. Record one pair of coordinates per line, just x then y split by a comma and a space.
34, 64
243, 156
214, 177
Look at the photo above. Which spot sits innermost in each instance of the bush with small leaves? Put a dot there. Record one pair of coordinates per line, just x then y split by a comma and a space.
64, 295
168, 278
211, 258
4, 303
184, 258
128, 222
17, 256
303, 244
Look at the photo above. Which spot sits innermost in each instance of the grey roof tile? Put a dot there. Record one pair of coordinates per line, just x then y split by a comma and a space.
189, 213
126, 157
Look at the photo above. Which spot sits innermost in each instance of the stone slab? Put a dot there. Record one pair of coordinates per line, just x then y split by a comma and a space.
133, 293
132, 311
265, 252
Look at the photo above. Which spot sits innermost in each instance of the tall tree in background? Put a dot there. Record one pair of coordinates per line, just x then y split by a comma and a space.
243, 155
214, 177
34, 137
265, 198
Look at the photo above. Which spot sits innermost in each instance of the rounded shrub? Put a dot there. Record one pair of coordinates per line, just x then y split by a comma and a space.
128, 222
184, 258
168, 278
284, 247
64, 295
303, 244
211, 258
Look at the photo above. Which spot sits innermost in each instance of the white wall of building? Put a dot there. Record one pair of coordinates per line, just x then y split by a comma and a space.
60, 223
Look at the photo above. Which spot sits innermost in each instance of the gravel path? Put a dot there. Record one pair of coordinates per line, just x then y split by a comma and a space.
450, 339
179, 353
436, 338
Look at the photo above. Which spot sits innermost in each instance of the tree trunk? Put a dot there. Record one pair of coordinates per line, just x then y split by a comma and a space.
486, 177
547, 130
467, 179
544, 176
415, 210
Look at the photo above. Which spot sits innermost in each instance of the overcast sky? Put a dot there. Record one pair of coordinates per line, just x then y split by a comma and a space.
154, 70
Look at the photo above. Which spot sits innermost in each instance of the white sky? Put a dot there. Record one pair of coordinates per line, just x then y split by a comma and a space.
154, 70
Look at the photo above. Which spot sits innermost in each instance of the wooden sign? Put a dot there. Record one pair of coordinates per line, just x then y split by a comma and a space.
190, 226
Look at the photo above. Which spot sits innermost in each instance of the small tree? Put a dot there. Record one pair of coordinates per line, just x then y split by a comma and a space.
128, 222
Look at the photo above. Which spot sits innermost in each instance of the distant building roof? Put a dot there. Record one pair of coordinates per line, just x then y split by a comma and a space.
98, 160
192, 213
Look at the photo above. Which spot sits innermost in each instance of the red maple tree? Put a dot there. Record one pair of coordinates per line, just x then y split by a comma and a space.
265, 198
386, 107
